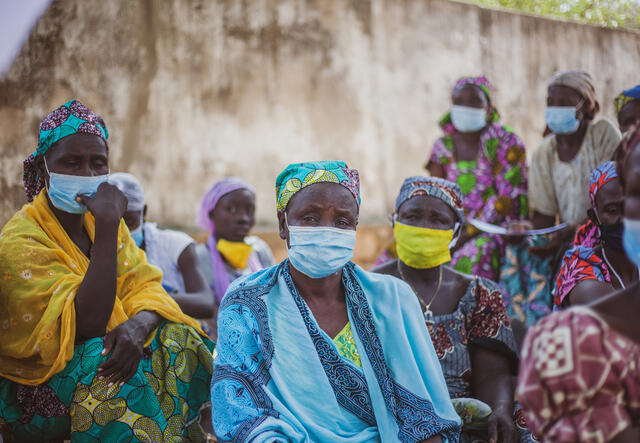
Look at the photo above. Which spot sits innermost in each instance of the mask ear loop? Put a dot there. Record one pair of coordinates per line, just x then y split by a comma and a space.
46, 167
457, 232
393, 217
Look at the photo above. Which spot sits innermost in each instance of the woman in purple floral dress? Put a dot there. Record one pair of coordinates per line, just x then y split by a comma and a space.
488, 161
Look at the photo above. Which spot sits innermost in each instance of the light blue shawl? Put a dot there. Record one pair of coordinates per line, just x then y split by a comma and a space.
279, 377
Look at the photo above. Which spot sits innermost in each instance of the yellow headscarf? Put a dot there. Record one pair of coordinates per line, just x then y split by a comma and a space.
40, 272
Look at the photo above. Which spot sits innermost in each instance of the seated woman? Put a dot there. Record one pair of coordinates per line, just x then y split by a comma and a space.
488, 161
578, 379
558, 180
174, 252
91, 343
588, 273
227, 212
317, 349
465, 315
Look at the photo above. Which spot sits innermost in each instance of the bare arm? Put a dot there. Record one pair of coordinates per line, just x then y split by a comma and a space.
197, 300
540, 220
491, 380
96, 294
620, 310
588, 291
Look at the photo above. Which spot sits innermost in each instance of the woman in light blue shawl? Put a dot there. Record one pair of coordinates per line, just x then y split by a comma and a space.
316, 349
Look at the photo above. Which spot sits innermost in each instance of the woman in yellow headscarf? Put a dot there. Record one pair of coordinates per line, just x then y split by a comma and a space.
91, 345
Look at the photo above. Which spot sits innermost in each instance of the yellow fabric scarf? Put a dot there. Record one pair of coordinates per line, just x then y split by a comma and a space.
40, 272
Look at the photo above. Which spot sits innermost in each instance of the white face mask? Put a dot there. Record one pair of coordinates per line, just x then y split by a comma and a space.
319, 251
468, 119
63, 189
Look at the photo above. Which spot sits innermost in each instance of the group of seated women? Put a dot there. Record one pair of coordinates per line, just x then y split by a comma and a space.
108, 321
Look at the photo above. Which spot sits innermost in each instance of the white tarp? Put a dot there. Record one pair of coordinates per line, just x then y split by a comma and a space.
17, 18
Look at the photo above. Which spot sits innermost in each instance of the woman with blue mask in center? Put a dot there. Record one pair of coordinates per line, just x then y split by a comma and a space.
315, 349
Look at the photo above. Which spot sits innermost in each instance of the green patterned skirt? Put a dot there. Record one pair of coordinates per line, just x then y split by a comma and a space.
160, 403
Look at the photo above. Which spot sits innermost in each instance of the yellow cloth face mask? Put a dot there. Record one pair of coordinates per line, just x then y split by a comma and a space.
237, 253
422, 248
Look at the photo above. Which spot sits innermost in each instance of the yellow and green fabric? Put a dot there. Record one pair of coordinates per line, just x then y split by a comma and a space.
48, 383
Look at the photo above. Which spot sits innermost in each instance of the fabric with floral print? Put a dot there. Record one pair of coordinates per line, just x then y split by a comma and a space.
579, 263
346, 344
479, 320
160, 403
494, 187
526, 279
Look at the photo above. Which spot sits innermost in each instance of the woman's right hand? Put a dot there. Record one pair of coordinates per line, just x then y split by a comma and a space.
108, 204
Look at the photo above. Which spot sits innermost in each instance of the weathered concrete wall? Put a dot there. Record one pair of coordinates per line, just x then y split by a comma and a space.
193, 90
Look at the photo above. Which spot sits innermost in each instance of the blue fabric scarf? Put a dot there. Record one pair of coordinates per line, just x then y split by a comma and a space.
279, 377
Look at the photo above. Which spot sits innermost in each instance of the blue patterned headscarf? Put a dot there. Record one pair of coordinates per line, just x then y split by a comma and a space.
445, 190
71, 118
298, 176
625, 97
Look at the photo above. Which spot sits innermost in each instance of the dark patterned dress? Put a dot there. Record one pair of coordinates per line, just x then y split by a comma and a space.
480, 320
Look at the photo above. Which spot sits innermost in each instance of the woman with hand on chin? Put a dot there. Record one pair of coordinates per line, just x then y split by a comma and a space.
316, 349
91, 344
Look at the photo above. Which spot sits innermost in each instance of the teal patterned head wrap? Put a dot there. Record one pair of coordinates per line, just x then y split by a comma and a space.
71, 118
298, 176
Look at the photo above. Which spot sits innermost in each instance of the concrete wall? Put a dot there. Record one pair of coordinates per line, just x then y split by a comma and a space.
193, 91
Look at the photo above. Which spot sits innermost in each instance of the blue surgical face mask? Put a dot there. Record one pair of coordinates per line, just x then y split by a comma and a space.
320, 251
137, 235
562, 119
631, 239
63, 189
467, 119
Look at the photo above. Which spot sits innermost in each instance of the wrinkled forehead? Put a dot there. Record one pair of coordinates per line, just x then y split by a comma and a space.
78, 144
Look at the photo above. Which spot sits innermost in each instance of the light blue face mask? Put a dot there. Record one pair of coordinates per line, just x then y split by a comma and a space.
63, 189
137, 235
320, 251
631, 239
467, 119
562, 119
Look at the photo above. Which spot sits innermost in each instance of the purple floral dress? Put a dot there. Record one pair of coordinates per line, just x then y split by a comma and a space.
494, 188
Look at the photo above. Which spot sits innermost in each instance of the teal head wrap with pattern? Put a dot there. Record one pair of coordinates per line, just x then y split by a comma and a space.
298, 176
71, 118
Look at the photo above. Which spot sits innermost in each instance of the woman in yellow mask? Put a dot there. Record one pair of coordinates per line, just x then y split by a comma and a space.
465, 315
227, 211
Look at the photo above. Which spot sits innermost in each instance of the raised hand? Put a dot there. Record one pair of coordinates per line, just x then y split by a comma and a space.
108, 203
